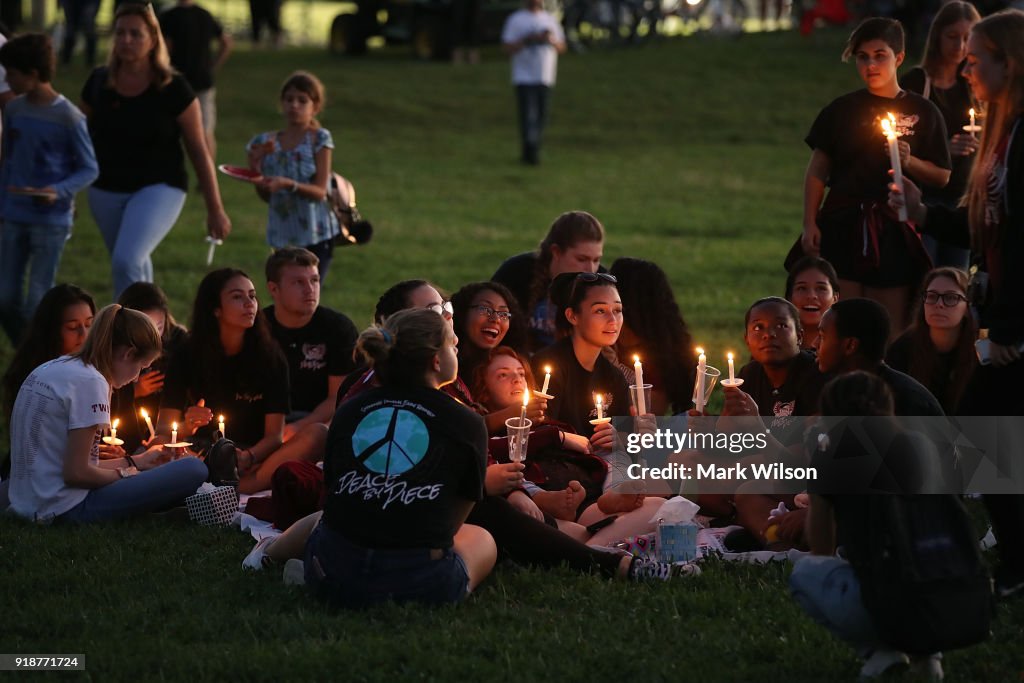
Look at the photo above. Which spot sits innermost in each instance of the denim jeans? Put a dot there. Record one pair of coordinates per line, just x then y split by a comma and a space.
533, 115
946, 255
132, 225
37, 249
827, 589
147, 491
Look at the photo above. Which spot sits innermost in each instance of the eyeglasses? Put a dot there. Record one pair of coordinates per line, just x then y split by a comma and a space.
949, 299
445, 310
492, 314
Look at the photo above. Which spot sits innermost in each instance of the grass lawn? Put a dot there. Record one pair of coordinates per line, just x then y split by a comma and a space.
691, 154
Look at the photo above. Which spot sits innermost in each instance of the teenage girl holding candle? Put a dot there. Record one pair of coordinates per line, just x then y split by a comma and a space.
994, 215
231, 366
875, 255
296, 167
58, 419
938, 78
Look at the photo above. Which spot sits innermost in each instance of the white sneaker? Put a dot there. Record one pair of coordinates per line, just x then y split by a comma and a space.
257, 559
294, 572
881, 661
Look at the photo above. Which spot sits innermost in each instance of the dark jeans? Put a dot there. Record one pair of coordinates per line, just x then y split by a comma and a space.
325, 252
533, 115
79, 16
265, 12
524, 539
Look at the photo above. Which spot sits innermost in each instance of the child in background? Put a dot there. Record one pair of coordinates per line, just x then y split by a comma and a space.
296, 167
47, 158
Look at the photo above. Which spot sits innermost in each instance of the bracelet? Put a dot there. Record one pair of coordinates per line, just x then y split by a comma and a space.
295, 187
131, 463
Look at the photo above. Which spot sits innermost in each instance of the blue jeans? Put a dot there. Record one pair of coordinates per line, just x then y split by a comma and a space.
344, 574
827, 589
132, 225
533, 116
147, 491
946, 255
22, 244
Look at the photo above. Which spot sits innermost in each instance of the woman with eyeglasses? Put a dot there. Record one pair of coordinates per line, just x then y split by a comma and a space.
486, 316
938, 348
574, 243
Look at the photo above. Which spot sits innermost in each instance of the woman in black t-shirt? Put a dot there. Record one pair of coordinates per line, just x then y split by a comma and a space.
875, 255
938, 79
404, 466
231, 367
139, 112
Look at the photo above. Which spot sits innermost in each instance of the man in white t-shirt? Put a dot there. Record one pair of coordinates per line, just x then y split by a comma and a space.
533, 39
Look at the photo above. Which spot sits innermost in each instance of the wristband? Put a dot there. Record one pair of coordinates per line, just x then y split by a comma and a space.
295, 186
131, 463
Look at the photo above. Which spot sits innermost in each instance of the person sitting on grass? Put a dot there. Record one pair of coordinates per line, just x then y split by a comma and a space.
813, 286
938, 349
56, 427
574, 243
653, 329
231, 367
145, 392
404, 467
317, 341
486, 316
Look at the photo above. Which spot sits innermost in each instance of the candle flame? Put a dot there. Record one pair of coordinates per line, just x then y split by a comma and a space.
220, 418
887, 128
526, 398
598, 399
636, 359
971, 112
116, 422
174, 426
700, 351
729, 355
143, 413
547, 369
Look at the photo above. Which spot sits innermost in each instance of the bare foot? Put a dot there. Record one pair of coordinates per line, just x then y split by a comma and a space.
561, 504
612, 502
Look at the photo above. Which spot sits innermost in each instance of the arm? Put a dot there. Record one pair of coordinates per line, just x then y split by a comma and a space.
225, 45
86, 168
325, 411
316, 190
926, 172
815, 179
78, 471
273, 437
821, 526
190, 121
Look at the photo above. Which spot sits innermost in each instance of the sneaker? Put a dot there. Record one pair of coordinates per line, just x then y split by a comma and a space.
641, 569
881, 661
257, 558
928, 668
294, 572
222, 463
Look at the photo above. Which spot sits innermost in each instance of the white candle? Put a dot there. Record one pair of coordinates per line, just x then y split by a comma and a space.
113, 429
220, 426
214, 243
972, 121
702, 364
732, 368
526, 402
174, 432
547, 379
889, 128
641, 400
149, 423
599, 402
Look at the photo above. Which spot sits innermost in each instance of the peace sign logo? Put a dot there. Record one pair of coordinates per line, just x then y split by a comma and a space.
390, 441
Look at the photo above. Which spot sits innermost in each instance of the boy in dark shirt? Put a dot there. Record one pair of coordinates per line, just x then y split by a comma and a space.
316, 340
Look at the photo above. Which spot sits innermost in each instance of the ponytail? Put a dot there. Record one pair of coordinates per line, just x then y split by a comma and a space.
402, 347
118, 327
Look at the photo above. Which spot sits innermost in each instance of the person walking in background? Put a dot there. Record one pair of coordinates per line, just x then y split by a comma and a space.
533, 39
189, 30
79, 17
139, 113
47, 158
266, 13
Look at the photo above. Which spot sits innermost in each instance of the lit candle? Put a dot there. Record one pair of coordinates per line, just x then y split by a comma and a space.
113, 429
174, 432
547, 379
889, 128
599, 402
732, 368
972, 119
641, 400
522, 415
220, 426
702, 365
149, 423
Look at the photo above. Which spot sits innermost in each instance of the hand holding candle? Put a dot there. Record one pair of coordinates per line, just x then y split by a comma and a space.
599, 405
732, 381
973, 128
112, 440
889, 128
543, 393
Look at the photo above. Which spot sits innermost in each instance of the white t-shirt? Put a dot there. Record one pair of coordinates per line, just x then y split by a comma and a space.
534, 64
60, 395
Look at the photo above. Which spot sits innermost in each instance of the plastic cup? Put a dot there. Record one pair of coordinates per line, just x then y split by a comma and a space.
647, 398
518, 436
711, 376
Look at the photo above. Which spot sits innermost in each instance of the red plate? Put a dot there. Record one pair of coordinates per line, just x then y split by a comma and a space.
27, 192
240, 173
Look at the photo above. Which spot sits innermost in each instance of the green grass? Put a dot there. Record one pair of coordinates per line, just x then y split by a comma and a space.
691, 153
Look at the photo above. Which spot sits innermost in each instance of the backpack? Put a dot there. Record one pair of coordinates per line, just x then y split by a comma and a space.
923, 580
342, 201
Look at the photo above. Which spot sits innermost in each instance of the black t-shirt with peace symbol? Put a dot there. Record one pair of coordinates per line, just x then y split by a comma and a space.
400, 464
849, 131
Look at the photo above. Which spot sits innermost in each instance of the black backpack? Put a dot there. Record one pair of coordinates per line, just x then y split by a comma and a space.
923, 580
